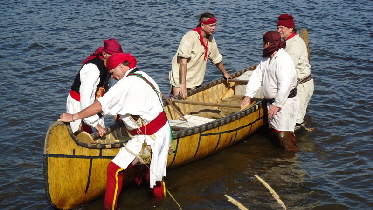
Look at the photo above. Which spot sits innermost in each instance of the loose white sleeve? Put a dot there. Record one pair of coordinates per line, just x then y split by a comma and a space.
255, 81
89, 77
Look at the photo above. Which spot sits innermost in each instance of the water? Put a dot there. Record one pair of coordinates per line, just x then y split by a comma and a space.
44, 42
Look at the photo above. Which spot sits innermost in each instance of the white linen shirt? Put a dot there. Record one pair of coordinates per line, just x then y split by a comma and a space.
297, 49
277, 76
89, 78
133, 96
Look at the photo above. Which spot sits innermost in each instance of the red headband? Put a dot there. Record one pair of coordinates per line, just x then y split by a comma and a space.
114, 60
209, 21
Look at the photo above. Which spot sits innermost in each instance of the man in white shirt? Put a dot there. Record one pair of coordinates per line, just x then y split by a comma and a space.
277, 74
88, 86
297, 49
137, 99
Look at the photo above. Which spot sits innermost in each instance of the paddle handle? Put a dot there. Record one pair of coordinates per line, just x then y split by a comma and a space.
238, 81
174, 107
206, 104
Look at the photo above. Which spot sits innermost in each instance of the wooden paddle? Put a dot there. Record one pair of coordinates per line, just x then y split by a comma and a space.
174, 107
238, 81
303, 33
247, 105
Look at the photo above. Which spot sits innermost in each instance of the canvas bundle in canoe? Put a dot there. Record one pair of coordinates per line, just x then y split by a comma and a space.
75, 165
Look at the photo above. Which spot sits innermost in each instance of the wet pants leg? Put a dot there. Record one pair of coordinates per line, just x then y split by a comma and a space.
287, 140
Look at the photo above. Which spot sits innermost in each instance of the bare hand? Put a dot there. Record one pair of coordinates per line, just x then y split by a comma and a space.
101, 130
183, 91
246, 100
273, 111
227, 76
66, 117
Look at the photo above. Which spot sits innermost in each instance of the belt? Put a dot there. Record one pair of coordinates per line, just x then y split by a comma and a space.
305, 79
292, 94
152, 127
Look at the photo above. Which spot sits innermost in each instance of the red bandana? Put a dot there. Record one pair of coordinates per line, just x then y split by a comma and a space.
209, 21
205, 45
274, 38
291, 36
113, 61
112, 46
199, 31
97, 53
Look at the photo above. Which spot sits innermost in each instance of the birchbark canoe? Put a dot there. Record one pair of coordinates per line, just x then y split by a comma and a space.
75, 164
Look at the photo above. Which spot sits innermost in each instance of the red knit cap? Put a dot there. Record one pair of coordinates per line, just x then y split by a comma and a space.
112, 46
286, 20
114, 60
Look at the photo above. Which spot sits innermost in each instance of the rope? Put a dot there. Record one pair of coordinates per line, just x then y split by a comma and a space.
274, 194
173, 198
238, 204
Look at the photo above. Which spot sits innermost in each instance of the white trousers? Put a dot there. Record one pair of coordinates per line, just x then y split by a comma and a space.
285, 119
159, 147
304, 94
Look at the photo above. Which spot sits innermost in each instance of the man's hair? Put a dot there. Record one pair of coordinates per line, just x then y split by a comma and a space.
126, 63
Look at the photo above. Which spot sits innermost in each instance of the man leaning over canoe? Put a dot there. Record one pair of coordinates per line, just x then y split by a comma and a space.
137, 99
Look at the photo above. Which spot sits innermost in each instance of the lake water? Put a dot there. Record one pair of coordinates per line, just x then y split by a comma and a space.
44, 42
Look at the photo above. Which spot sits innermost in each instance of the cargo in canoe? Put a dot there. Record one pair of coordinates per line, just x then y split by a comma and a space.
75, 164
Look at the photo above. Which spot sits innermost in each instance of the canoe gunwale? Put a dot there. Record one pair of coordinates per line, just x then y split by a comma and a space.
87, 145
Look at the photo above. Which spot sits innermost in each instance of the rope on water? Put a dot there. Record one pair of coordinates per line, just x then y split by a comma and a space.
173, 198
274, 194
238, 204
307, 129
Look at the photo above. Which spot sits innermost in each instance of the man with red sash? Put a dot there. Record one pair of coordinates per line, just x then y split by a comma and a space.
297, 49
88, 86
135, 96
190, 60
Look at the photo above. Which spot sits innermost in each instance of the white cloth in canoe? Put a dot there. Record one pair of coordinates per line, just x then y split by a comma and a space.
133, 96
192, 121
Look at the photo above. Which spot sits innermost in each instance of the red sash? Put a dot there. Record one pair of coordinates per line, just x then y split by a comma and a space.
152, 127
75, 95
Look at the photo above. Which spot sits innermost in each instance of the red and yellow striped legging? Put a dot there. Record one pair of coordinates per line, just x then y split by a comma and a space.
114, 182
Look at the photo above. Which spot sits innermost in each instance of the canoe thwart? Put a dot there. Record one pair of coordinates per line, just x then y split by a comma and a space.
205, 104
